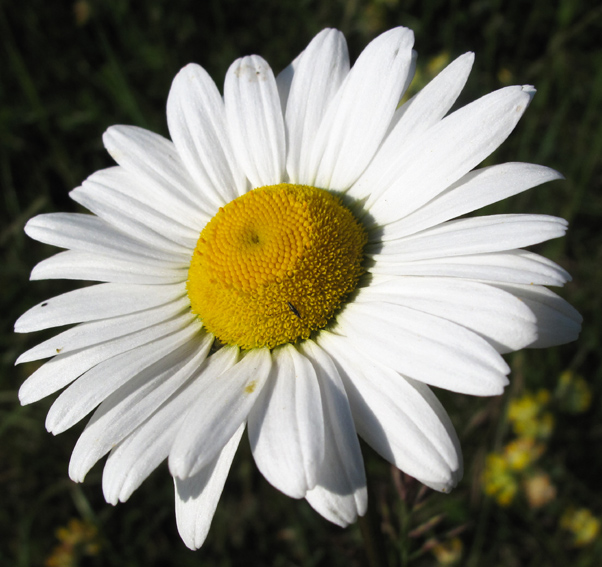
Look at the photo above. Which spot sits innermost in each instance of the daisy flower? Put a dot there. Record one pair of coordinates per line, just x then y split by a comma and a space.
289, 263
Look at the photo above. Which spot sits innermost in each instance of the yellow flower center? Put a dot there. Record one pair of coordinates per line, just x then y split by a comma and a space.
274, 265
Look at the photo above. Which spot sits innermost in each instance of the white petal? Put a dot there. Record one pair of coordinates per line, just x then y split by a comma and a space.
131, 462
64, 368
102, 380
218, 413
499, 317
75, 265
286, 426
97, 332
477, 235
88, 233
340, 494
432, 102
424, 347
136, 219
449, 150
318, 76
557, 321
400, 418
284, 80
139, 454
131, 404
96, 302
409, 79
255, 120
513, 266
416, 116
476, 189
156, 161
359, 115
197, 125
198, 495
154, 196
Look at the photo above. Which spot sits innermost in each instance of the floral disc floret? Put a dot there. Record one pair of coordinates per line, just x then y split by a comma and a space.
274, 265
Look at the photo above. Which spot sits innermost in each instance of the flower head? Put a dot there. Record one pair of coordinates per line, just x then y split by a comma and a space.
539, 489
499, 480
77, 539
448, 552
289, 264
582, 524
529, 416
573, 393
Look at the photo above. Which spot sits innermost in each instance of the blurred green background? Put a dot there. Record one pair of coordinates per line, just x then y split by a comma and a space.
69, 69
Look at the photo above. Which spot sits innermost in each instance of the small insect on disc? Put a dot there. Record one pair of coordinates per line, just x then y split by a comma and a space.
293, 309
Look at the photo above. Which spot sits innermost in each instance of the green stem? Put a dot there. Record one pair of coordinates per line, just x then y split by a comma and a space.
404, 529
374, 543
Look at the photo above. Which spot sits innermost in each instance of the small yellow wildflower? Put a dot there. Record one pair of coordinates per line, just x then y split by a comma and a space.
528, 417
498, 480
539, 490
582, 524
522, 452
573, 392
502, 471
77, 539
448, 552
505, 76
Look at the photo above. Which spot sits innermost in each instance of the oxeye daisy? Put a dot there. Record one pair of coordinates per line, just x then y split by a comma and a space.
291, 263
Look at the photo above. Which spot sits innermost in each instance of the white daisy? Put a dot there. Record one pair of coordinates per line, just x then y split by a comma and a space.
304, 222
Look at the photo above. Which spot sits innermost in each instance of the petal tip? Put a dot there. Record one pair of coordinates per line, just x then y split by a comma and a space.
24, 396
179, 467
529, 90
22, 358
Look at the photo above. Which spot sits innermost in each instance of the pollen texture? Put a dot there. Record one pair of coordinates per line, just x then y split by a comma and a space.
274, 265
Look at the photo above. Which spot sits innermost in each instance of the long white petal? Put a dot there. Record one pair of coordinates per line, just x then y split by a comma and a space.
88, 233
513, 266
131, 404
284, 80
197, 496
425, 347
197, 124
359, 115
340, 494
558, 322
64, 368
477, 235
75, 265
286, 426
155, 160
409, 121
432, 102
400, 418
90, 334
141, 452
406, 86
255, 120
96, 302
102, 380
136, 218
475, 190
218, 413
499, 317
449, 150
156, 196
317, 78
